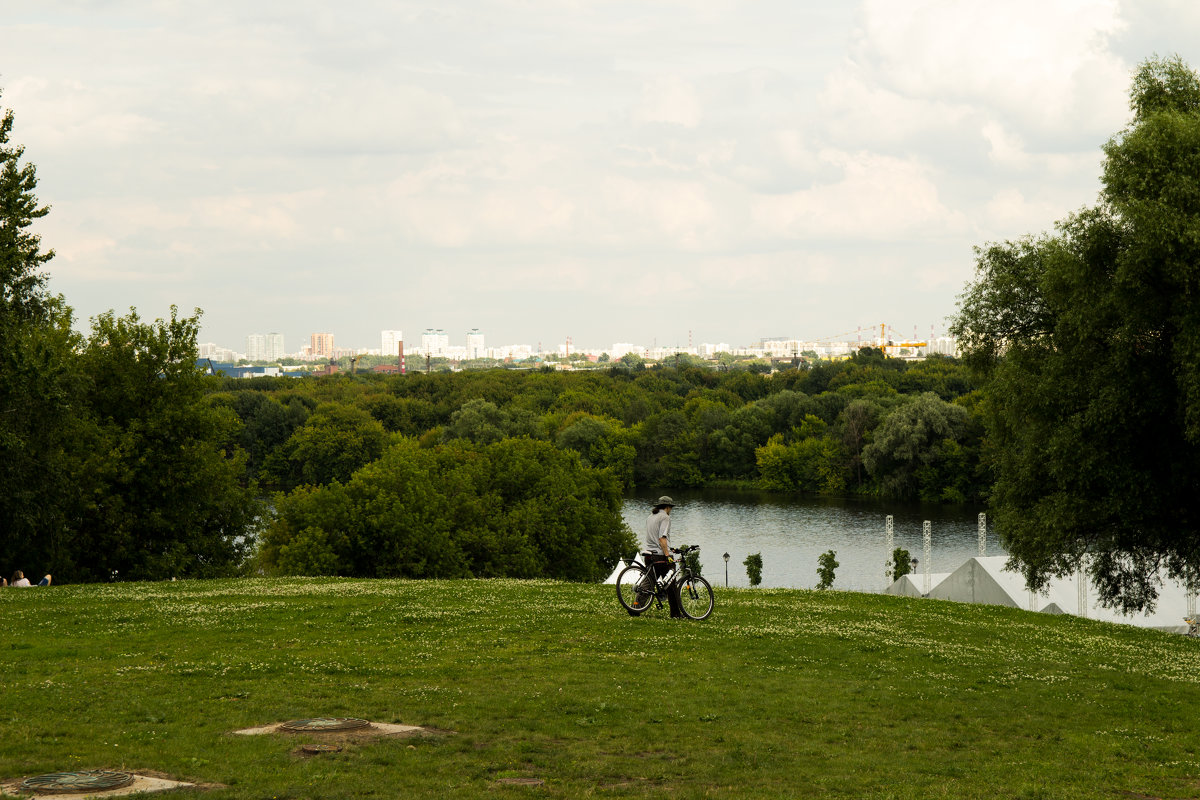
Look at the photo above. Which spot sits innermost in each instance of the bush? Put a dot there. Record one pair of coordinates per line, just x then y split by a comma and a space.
518, 508
754, 566
901, 564
828, 563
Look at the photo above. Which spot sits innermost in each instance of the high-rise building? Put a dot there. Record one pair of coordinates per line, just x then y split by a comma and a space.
475, 344
389, 343
434, 342
321, 344
256, 347
264, 347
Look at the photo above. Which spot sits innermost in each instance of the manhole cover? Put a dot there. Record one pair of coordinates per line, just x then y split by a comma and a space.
318, 749
324, 724
92, 780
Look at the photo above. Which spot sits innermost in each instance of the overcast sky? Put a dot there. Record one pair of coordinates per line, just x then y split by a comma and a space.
609, 171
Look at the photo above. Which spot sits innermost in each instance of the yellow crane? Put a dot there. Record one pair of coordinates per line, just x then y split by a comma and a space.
887, 345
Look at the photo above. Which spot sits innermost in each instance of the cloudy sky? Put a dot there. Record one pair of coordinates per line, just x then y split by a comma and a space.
605, 170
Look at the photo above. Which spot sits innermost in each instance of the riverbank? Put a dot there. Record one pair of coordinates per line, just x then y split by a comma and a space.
780, 693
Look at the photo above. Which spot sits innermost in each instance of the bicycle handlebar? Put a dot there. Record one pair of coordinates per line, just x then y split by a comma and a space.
686, 549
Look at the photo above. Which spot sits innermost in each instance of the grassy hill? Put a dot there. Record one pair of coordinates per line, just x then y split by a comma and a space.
781, 693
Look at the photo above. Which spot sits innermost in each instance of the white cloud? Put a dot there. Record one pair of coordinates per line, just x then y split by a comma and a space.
877, 198
1028, 58
669, 99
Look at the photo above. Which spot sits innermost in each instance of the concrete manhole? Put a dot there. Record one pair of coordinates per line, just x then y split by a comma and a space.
324, 725
342, 729
90, 780
320, 749
91, 783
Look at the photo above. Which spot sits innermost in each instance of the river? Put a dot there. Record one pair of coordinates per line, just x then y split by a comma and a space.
792, 533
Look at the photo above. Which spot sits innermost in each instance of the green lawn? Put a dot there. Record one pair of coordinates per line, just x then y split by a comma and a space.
780, 693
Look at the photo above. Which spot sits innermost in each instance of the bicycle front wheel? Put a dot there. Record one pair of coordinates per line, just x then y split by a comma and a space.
695, 597
631, 590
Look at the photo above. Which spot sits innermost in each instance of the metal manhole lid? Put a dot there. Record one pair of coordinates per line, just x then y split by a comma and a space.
324, 724
91, 780
317, 749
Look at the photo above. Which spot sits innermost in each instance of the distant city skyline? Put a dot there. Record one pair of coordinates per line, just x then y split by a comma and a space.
437, 341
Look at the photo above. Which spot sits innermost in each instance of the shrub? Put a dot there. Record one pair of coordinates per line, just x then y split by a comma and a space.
754, 566
901, 564
828, 563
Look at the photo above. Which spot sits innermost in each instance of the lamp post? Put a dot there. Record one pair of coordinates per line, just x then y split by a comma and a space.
726, 557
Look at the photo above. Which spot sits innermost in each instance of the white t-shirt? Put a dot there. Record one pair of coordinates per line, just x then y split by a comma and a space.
658, 525
22, 582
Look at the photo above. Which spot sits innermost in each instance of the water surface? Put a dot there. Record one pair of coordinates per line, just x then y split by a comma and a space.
792, 533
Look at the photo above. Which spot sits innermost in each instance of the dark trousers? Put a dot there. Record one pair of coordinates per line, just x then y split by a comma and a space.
660, 566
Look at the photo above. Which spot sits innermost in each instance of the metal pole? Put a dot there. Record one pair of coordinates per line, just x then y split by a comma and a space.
889, 544
1081, 589
927, 536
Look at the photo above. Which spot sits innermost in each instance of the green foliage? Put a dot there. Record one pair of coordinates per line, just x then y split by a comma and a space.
692, 562
114, 461
1089, 340
36, 379
661, 426
827, 563
334, 441
754, 567
918, 451
901, 564
159, 479
513, 508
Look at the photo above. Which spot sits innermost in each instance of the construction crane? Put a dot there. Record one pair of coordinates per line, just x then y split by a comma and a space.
895, 347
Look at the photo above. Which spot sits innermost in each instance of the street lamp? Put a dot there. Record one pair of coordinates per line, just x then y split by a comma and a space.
727, 570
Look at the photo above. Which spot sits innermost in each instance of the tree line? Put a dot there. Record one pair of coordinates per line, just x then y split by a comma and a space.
869, 425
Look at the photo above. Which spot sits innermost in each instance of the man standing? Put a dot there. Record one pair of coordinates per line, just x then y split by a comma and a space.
656, 548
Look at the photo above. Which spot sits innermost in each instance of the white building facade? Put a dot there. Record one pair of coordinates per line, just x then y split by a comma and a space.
389, 343
475, 347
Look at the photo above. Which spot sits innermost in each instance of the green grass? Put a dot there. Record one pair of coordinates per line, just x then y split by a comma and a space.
781, 693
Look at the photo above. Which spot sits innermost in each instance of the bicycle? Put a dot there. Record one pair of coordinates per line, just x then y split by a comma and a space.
638, 588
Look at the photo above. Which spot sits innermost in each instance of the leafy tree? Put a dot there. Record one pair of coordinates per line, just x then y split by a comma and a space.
159, 476
754, 566
827, 564
332, 443
515, 508
36, 377
914, 450
1089, 341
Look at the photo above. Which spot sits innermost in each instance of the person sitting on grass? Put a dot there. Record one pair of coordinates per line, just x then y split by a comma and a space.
19, 579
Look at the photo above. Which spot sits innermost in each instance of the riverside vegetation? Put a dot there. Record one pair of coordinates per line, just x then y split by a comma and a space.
781, 693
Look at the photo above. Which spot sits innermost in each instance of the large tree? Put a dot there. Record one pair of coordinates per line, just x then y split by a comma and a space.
159, 475
35, 378
1090, 340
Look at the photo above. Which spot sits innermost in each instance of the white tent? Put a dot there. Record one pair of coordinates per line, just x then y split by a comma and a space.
622, 564
984, 580
910, 585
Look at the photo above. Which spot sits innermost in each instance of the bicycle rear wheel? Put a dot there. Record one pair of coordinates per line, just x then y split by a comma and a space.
695, 597
631, 591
